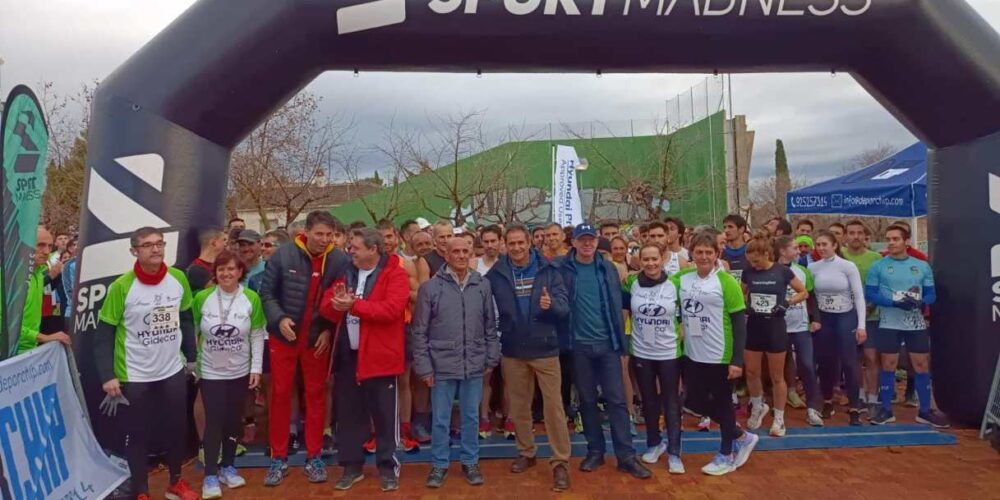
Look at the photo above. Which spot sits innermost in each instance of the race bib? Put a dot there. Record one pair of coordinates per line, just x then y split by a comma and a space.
701, 325
789, 295
763, 303
165, 318
902, 294
737, 273
834, 303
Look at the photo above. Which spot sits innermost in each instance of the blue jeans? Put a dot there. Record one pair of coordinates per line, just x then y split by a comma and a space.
595, 365
837, 354
802, 342
470, 392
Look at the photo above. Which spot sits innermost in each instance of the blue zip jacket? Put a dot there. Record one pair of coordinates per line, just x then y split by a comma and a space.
529, 334
611, 300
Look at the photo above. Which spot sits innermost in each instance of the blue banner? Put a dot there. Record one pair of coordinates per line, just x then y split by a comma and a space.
48, 448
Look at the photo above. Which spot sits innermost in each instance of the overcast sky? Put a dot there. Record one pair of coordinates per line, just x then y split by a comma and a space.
824, 120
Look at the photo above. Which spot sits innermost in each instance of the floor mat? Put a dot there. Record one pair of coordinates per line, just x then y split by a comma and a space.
867, 436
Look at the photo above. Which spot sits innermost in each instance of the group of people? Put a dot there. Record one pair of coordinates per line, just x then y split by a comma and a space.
369, 336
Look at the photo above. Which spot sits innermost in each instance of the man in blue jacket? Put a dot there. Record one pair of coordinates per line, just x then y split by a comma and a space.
531, 300
596, 329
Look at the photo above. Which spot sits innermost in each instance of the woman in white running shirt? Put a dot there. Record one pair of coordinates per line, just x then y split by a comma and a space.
840, 296
230, 322
651, 299
714, 328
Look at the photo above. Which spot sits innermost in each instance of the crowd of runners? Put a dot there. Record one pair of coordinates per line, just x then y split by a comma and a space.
363, 340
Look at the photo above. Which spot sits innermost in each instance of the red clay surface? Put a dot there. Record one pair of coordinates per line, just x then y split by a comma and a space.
970, 470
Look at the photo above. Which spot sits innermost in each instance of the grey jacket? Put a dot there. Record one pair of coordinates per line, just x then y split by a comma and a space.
454, 330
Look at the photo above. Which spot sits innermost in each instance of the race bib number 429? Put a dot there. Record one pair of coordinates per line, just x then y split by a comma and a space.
763, 303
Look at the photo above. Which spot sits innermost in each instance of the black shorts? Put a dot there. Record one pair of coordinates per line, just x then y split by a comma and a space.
916, 341
871, 328
766, 334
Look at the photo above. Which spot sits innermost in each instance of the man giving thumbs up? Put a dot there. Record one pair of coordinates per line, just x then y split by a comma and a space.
531, 299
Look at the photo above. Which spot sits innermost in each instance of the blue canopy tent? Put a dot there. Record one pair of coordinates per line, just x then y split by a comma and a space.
893, 187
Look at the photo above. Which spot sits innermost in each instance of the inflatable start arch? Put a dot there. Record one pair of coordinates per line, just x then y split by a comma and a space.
164, 124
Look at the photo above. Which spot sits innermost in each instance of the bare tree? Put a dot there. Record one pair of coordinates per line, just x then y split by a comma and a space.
869, 156
285, 163
766, 200
68, 118
387, 202
645, 184
472, 175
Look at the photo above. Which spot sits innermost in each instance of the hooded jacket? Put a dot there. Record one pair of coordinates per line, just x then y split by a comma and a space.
288, 279
528, 334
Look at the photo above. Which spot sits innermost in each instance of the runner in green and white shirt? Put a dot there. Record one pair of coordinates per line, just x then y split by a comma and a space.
714, 329
230, 321
145, 325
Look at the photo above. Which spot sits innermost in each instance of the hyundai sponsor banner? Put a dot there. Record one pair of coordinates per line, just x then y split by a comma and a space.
49, 450
566, 208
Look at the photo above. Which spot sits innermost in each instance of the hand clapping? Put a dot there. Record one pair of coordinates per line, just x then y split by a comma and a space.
343, 299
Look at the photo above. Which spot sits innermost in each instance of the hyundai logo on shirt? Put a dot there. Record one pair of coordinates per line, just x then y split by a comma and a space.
654, 310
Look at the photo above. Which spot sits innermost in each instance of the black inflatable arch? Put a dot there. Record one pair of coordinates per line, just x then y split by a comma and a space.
165, 122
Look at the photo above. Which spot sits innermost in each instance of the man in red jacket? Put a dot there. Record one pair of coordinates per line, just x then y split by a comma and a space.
367, 303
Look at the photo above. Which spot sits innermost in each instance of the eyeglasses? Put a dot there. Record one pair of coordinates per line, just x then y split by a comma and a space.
267, 244
158, 245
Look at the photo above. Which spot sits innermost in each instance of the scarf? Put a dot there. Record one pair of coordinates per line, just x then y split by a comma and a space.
149, 279
647, 282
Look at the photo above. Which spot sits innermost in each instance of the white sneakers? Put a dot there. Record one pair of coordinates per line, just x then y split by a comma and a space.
675, 466
653, 454
719, 466
778, 427
814, 418
743, 447
757, 413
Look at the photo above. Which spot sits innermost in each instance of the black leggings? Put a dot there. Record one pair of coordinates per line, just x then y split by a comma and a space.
224, 401
155, 407
709, 392
664, 402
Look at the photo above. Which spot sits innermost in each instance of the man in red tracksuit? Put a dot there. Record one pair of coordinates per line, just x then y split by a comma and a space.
367, 302
293, 283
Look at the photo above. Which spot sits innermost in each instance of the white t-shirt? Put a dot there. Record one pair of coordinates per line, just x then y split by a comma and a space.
147, 325
672, 266
654, 316
705, 306
354, 322
797, 316
232, 348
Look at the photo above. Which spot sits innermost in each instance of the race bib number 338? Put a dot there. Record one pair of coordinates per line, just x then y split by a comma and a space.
165, 318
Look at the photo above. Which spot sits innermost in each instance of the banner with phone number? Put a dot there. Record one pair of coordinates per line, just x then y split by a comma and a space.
48, 448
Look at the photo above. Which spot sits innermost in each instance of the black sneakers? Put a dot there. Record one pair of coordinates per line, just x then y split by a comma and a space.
473, 475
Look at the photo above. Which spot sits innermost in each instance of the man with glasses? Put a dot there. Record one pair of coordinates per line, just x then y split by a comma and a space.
271, 241
144, 338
